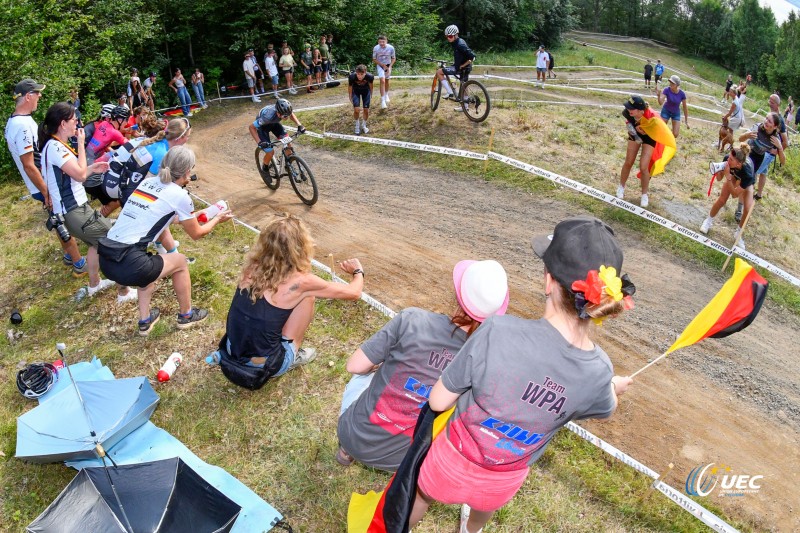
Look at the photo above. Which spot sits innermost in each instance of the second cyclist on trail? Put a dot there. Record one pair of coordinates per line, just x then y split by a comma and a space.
269, 120
462, 61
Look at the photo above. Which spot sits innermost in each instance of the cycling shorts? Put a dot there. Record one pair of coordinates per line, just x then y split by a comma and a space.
275, 128
361, 99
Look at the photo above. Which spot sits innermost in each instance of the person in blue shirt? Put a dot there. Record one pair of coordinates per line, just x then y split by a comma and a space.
659, 72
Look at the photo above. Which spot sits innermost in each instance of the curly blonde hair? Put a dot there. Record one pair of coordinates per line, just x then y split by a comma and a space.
284, 246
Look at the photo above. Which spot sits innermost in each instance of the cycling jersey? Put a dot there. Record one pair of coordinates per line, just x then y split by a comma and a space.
461, 53
116, 170
141, 161
22, 138
149, 210
103, 135
360, 86
65, 192
267, 115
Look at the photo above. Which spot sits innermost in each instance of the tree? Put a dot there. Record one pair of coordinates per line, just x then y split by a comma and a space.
783, 67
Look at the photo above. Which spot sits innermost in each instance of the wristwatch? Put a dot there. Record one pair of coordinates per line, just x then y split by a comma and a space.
358, 271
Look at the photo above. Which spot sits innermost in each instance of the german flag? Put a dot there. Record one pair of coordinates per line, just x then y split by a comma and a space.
388, 511
665, 149
147, 197
733, 308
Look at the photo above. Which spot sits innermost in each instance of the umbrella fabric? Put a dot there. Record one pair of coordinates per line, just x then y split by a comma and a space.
58, 429
158, 496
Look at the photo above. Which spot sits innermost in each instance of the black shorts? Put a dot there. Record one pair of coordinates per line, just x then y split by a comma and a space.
646, 77
259, 75
658, 77
130, 265
645, 140
276, 128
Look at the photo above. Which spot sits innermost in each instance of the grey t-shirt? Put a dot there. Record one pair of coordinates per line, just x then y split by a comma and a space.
414, 348
520, 381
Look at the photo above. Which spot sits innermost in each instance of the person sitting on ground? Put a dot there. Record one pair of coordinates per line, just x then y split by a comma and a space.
155, 203
65, 170
274, 304
516, 382
671, 99
359, 85
269, 121
462, 61
380, 407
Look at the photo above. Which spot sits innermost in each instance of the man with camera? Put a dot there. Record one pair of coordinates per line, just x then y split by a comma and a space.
22, 138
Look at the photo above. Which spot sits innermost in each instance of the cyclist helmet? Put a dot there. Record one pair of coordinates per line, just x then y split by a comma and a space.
283, 107
36, 379
120, 113
452, 29
107, 110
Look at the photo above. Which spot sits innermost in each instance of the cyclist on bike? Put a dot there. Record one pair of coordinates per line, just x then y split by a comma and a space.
462, 61
269, 120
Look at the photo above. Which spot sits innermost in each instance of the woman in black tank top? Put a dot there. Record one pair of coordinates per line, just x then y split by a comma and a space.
274, 304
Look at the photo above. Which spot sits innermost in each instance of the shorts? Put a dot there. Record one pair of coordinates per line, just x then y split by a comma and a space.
38, 196
383, 74
130, 265
758, 160
276, 129
259, 75
251, 82
646, 77
86, 224
666, 114
289, 351
450, 478
541, 69
326, 66
275, 79
308, 71
98, 192
658, 77
735, 123
645, 140
354, 389
361, 100
764, 167
317, 69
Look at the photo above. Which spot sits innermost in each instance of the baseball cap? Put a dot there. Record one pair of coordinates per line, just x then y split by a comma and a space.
541, 47
635, 102
481, 288
577, 246
675, 79
26, 86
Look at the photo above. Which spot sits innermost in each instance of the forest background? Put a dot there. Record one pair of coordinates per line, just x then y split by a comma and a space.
92, 44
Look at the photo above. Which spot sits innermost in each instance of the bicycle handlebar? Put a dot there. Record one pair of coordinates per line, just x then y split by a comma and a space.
284, 140
441, 62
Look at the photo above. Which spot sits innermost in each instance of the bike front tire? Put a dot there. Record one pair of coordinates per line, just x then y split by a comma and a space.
475, 101
302, 180
436, 93
269, 174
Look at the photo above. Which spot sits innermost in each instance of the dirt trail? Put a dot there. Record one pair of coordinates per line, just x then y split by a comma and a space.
734, 401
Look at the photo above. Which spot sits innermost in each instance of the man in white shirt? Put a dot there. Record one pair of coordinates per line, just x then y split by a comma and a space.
22, 138
542, 63
384, 59
250, 75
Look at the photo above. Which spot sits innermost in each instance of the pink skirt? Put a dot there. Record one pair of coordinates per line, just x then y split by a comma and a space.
449, 477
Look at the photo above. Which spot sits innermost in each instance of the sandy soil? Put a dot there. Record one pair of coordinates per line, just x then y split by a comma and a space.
734, 401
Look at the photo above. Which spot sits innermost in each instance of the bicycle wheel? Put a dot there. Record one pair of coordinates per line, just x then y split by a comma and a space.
475, 101
269, 175
302, 180
436, 93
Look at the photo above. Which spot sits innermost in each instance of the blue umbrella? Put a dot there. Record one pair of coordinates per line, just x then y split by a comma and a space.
81, 422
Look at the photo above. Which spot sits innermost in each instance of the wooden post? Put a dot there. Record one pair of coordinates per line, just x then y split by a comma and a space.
333, 268
219, 95
491, 143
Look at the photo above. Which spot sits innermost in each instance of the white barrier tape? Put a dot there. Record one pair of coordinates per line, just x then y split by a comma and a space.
409, 145
696, 509
316, 108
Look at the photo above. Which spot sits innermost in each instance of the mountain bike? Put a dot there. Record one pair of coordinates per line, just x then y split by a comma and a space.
288, 164
471, 94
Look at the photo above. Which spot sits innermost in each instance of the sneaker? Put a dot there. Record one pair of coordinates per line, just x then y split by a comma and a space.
738, 214
303, 356
449, 96
757, 197
67, 260
292, 91
645, 201
256, 99
620, 191
103, 285
387, 99
275, 93
738, 241
131, 296
80, 271
146, 325
383, 103
706, 225
358, 130
205, 106
343, 458
194, 317
465, 512
364, 128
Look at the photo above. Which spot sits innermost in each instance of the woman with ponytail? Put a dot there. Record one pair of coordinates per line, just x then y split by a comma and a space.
150, 209
65, 171
516, 382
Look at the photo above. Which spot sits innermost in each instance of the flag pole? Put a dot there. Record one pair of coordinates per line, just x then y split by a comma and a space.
648, 365
741, 232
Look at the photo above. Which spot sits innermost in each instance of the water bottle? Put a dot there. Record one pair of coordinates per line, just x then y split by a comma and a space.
211, 211
171, 364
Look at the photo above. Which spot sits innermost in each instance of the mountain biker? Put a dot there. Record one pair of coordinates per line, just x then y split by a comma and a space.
462, 60
269, 120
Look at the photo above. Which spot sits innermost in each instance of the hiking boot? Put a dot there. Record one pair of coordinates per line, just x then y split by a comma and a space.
645, 200
303, 356
146, 325
738, 214
131, 296
195, 316
706, 225
620, 191
103, 285
80, 271
344, 458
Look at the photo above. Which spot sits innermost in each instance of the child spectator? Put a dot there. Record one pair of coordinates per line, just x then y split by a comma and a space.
307, 62
287, 65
